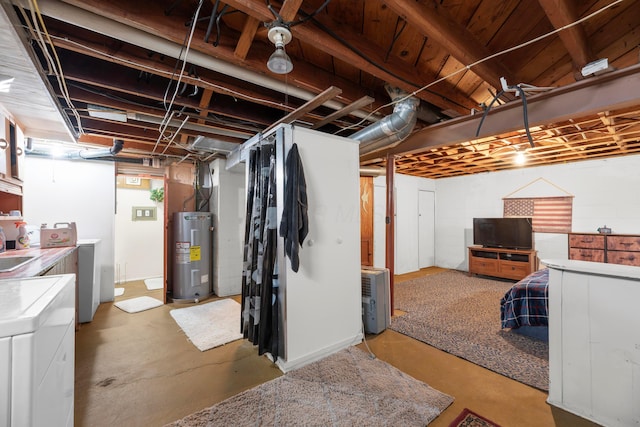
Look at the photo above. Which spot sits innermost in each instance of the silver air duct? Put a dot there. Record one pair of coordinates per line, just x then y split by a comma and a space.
393, 128
97, 153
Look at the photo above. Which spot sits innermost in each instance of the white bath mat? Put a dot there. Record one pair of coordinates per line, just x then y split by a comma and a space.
210, 325
118, 292
154, 283
135, 305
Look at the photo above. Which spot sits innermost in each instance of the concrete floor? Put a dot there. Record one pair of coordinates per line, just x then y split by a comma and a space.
140, 370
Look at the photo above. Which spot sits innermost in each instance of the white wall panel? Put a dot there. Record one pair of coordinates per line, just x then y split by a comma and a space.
75, 190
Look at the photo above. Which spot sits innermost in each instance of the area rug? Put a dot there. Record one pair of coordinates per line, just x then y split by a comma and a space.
135, 305
154, 283
347, 388
118, 292
461, 315
210, 325
468, 418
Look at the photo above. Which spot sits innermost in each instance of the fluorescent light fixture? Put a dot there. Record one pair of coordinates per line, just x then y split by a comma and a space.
5, 82
279, 62
595, 67
107, 113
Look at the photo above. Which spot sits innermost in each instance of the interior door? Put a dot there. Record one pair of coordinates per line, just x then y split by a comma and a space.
426, 229
366, 220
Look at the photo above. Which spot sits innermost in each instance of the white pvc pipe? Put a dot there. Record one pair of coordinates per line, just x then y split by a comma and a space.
117, 30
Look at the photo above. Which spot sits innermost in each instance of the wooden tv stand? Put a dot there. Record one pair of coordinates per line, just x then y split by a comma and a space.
513, 264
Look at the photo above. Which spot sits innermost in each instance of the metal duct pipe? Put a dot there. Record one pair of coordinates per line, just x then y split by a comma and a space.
97, 153
393, 128
372, 171
77, 16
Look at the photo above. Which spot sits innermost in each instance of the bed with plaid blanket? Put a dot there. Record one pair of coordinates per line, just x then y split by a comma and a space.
527, 302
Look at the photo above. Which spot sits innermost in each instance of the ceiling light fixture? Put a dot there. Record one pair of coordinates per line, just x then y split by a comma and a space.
279, 62
520, 158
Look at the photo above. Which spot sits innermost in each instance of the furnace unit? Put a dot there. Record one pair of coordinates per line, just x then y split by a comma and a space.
192, 256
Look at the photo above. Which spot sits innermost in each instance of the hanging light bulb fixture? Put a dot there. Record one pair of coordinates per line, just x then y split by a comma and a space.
279, 62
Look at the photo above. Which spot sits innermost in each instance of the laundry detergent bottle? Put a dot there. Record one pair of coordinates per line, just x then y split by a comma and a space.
23, 241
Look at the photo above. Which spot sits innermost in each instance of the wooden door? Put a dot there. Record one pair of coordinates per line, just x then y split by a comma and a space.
366, 220
426, 229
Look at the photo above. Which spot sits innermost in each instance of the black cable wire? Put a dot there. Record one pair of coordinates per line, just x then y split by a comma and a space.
486, 110
524, 111
525, 115
396, 36
293, 23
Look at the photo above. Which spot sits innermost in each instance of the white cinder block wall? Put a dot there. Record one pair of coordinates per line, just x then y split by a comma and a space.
75, 190
604, 194
228, 207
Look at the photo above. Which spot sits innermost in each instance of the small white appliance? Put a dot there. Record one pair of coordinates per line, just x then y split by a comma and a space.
376, 304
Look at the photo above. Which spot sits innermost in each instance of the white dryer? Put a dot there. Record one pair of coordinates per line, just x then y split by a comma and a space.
37, 344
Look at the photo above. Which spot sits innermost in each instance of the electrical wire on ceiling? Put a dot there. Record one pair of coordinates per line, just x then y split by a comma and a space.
37, 28
289, 24
185, 48
488, 58
169, 75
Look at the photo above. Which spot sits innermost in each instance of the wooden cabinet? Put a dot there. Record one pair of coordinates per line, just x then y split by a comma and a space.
11, 161
609, 248
512, 264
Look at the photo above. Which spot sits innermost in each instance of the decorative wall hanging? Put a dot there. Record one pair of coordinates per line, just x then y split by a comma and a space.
549, 206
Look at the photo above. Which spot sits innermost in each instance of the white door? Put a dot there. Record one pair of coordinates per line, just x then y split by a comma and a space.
426, 229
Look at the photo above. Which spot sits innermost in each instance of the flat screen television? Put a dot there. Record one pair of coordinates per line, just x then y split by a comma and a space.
508, 233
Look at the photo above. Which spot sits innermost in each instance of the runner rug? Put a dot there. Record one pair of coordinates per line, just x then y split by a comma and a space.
461, 315
347, 388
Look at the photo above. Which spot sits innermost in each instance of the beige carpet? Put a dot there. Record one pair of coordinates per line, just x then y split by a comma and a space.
461, 315
347, 388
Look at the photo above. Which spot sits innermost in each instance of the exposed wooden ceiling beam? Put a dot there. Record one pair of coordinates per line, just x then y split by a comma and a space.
329, 93
246, 37
432, 22
362, 102
610, 91
392, 72
562, 13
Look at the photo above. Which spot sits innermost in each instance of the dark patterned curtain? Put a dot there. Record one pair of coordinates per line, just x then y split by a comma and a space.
260, 304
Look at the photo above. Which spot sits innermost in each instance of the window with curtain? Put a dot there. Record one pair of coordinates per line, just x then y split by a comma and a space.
550, 214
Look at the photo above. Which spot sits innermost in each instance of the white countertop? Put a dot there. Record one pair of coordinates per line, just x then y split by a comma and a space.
22, 301
596, 268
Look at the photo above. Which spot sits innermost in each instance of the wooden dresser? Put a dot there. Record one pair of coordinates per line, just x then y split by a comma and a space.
610, 248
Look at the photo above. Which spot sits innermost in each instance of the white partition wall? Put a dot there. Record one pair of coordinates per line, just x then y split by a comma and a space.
322, 302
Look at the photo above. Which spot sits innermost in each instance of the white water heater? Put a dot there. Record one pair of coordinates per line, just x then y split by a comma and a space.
192, 255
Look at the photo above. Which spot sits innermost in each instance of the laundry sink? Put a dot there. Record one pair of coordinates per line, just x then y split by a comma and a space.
10, 263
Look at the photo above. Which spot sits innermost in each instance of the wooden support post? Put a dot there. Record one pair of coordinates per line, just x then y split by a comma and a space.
389, 225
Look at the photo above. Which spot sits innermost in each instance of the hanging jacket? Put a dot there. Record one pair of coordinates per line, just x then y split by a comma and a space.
294, 225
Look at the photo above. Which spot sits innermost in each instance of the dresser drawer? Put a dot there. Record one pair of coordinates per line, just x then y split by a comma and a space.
623, 243
514, 270
484, 266
623, 257
594, 255
588, 241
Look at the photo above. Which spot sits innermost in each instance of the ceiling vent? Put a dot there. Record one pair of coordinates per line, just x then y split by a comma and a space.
211, 145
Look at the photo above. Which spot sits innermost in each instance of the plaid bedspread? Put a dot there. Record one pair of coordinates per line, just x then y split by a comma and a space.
526, 303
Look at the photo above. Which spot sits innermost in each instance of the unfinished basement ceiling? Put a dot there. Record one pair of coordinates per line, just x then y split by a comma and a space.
113, 67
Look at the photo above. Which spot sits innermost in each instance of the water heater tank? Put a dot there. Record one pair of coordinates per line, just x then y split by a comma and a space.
192, 255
